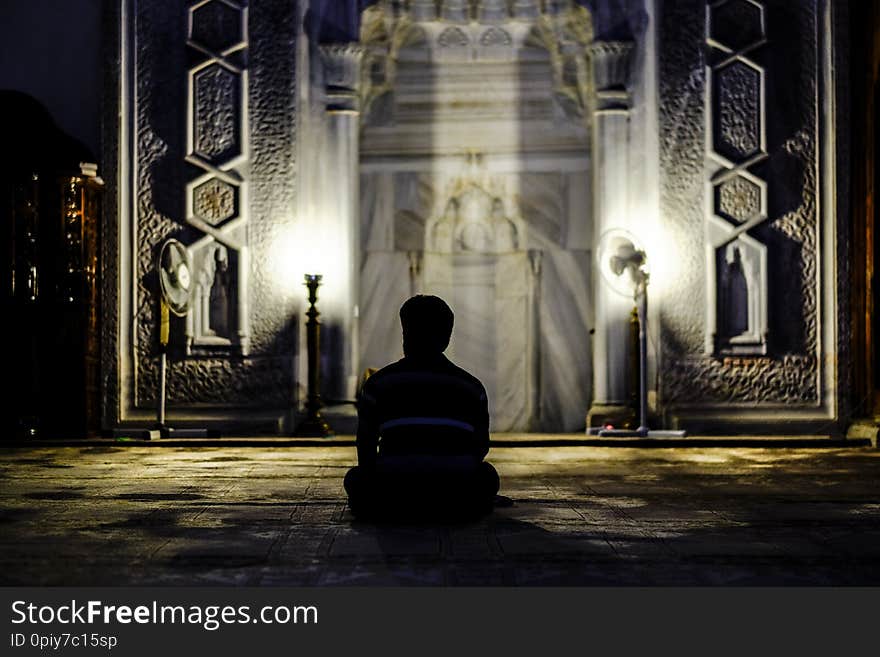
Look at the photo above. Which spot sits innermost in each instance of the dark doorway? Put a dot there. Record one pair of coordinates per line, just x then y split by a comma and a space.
865, 117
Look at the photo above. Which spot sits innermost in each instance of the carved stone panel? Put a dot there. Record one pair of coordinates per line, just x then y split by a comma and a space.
217, 121
495, 36
215, 201
741, 285
736, 24
216, 113
453, 37
741, 198
213, 320
738, 294
473, 221
737, 110
213, 147
217, 25
711, 202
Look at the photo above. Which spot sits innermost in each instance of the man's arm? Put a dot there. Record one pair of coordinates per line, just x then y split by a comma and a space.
368, 428
481, 425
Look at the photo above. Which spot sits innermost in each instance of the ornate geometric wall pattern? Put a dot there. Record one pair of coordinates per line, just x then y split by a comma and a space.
216, 131
495, 36
737, 24
452, 37
214, 201
738, 93
739, 199
255, 50
738, 295
785, 219
217, 26
217, 110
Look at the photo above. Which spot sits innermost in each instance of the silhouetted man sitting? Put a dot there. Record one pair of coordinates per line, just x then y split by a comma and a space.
423, 429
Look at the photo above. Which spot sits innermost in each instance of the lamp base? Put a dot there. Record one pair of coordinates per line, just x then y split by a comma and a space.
618, 416
314, 427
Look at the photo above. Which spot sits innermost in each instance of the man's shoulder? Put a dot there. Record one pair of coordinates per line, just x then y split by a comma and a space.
406, 370
388, 370
463, 374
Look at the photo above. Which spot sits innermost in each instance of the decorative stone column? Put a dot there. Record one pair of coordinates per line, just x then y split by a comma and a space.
525, 9
612, 350
492, 11
423, 10
340, 191
455, 11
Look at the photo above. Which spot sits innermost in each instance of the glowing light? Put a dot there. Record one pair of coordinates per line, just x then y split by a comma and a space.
660, 246
307, 247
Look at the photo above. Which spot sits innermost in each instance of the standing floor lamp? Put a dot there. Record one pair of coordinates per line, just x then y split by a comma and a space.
624, 266
314, 424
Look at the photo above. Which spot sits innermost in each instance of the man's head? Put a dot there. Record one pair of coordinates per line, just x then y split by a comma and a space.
427, 325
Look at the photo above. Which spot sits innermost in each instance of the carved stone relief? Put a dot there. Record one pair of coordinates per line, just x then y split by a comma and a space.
480, 31
216, 113
213, 320
217, 129
742, 268
740, 199
249, 362
738, 93
737, 24
473, 220
780, 215
738, 294
217, 25
453, 37
495, 36
214, 201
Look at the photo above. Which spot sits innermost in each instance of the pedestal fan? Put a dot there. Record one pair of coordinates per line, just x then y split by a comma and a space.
175, 282
175, 287
623, 264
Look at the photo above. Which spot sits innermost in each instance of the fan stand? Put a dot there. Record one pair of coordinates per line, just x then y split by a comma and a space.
164, 333
643, 431
173, 278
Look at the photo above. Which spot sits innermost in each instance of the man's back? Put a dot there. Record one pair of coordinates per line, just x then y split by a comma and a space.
423, 427
424, 405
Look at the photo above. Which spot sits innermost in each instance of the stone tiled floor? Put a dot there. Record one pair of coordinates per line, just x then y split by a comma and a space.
575, 516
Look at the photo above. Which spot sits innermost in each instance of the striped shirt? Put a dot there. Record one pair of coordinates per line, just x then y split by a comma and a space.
422, 406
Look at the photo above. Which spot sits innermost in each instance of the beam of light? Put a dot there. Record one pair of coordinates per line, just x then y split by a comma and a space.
307, 246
